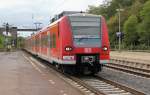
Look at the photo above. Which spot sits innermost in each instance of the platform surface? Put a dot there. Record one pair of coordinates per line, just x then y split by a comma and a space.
19, 76
142, 57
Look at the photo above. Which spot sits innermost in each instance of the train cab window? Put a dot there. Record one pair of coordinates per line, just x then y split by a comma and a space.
86, 31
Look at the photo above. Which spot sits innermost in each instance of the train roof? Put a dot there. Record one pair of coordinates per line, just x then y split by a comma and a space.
58, 17
72, 13
65, 13
85, 14
75, 13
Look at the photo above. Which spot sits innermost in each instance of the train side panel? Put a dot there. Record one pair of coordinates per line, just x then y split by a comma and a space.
54, 42
104, 55
66, 41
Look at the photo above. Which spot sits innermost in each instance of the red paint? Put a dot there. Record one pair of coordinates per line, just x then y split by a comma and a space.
64, 37
105, 41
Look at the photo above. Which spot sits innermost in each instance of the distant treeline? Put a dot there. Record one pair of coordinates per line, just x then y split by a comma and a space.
1, 41
135, 22
20, 42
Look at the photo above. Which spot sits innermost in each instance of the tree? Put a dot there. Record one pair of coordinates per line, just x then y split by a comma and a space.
135, 20
144, 29
113, 28
109, 9
100, 10
131, 35
136, 8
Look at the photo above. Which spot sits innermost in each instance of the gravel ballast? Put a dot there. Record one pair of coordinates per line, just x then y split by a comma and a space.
133, 81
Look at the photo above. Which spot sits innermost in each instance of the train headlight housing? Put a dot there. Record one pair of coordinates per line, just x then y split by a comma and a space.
105, 48
68, 48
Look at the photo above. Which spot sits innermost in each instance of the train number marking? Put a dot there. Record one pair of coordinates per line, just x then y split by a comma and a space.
87, 50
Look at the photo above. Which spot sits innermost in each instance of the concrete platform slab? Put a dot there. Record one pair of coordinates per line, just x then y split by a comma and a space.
142, 57
19, 76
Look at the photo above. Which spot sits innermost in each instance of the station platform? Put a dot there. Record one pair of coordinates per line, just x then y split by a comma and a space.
142, 57
20, 76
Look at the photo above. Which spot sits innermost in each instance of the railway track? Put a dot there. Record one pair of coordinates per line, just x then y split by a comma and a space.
95, 85
135, 68
101, 86
132, 63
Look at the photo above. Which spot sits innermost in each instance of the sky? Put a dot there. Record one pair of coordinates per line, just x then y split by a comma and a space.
23, 13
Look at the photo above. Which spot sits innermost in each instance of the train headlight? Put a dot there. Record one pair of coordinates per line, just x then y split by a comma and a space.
68, 48
105, 48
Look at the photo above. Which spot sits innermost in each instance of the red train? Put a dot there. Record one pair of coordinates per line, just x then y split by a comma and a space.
73, 42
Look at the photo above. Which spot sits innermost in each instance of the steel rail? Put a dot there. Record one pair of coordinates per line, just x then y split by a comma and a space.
132, 63
129, 69
126, 88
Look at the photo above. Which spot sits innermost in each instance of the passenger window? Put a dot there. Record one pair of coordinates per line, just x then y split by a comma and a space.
54, 40
58, 30
51, 41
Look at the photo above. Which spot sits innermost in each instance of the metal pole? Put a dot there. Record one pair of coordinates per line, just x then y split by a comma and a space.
119, 32
6, 39
119, 43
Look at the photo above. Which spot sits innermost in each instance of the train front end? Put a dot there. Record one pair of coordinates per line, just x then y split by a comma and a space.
86, 43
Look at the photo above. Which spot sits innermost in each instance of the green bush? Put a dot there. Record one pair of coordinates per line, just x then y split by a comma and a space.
2, 41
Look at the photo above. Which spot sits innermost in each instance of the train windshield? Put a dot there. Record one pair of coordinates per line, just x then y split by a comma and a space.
86, 31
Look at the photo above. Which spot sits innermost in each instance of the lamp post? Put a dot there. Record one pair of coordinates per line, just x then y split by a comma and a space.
119, 11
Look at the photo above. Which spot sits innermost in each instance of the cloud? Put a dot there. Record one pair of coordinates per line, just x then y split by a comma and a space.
11, 3
21, 12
